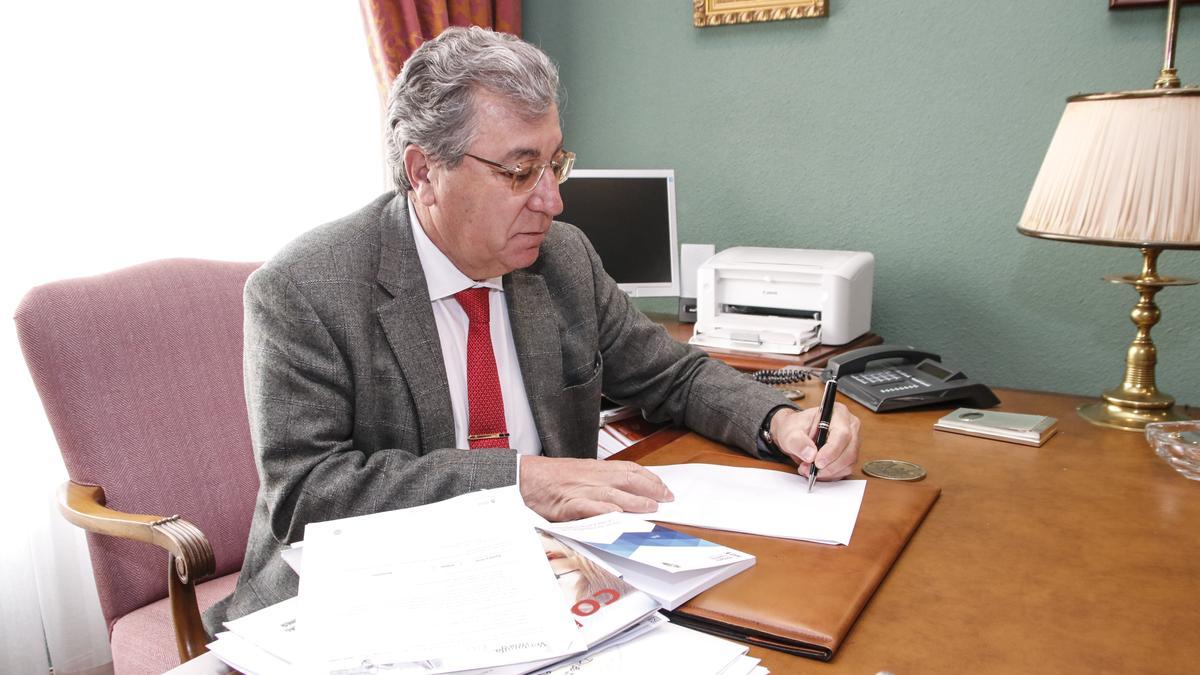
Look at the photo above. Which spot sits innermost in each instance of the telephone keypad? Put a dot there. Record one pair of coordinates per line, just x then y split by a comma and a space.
877, 377
901, 387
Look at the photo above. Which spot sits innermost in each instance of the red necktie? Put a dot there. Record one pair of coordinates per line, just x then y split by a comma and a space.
485, 401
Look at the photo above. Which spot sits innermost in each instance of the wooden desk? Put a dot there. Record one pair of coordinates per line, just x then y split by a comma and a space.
1079, 556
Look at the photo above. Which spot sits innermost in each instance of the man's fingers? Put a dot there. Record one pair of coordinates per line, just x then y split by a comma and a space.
837, 473
637, 480
627, 487
606, 500
566, 489
796, 443
798, 456
841, 447
834, 452
586, 508
841, 463
836, 458
630, 503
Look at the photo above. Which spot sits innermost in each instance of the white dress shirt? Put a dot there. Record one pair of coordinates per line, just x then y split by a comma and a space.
444, 280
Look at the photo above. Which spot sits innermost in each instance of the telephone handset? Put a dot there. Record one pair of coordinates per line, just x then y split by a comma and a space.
907, 378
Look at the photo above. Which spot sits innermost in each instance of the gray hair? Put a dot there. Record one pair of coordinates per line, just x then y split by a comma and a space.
431, 104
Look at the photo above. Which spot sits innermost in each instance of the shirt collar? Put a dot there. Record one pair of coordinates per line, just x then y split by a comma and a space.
441, 276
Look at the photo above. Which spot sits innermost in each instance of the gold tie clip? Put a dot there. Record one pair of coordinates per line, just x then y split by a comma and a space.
486, 437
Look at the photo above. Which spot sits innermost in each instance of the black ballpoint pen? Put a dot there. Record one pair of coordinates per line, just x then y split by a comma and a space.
823, 427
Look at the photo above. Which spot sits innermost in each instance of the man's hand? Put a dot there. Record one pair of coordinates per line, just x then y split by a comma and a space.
560, 488
794, 431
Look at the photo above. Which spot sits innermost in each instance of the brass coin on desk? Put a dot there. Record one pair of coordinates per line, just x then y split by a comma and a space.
893, 469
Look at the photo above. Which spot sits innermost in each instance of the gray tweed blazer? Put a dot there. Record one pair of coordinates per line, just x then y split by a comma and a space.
346, 389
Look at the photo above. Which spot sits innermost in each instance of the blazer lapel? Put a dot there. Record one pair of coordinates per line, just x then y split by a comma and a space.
539, 352
407, 321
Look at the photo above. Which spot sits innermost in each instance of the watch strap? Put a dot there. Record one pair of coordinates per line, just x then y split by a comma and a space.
766, 445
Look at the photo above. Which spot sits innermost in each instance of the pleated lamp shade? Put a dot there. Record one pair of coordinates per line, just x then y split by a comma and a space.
1123, 170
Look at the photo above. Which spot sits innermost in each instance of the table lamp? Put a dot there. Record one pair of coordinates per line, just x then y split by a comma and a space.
1123, 169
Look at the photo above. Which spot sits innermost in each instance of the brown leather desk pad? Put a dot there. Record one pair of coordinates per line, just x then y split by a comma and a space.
800, 597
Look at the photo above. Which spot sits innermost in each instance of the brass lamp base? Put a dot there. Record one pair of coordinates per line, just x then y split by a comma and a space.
1117, 416
1138, 402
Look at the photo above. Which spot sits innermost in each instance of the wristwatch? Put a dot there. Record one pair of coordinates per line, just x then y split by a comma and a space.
766, 446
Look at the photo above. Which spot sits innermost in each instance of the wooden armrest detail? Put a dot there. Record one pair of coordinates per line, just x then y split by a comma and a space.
83, 505
191, 556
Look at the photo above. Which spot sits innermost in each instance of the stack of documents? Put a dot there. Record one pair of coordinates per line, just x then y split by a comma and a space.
620, 433
609, 442
667, 649
466, 585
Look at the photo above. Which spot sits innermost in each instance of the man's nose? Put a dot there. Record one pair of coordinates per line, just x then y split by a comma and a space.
545, 197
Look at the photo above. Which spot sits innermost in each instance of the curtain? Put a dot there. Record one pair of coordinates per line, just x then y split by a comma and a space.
302, 124
397, 27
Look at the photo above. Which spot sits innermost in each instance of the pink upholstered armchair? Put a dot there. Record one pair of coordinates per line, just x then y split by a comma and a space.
140, 373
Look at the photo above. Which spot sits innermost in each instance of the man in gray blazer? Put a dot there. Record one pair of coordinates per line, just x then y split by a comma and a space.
362, 375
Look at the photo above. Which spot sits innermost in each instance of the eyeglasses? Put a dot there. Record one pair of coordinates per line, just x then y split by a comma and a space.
525, 177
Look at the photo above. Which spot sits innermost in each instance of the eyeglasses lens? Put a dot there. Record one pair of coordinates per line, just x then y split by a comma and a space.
528, 179
562, 166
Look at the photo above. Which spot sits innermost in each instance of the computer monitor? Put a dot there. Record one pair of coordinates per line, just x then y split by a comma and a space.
629, 216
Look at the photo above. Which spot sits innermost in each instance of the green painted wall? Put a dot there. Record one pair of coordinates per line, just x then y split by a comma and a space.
909, 128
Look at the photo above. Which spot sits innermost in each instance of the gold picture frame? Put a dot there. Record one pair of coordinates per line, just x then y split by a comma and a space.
722, 12
1135, 4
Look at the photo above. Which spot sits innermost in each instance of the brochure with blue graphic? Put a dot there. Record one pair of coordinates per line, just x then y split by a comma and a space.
666, 564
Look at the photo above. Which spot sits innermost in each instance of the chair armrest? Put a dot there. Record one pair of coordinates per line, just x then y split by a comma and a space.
191, 555
83, 505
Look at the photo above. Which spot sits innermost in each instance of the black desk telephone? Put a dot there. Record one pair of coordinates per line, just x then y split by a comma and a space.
908, 378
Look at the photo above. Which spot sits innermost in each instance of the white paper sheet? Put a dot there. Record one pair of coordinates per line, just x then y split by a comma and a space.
207, 663
744, 665
602, 529
666, 649
247, 657
272, 629
294, 556
633, 632
380, 590
759, 501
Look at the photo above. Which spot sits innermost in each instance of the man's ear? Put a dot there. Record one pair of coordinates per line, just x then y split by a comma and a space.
417, 166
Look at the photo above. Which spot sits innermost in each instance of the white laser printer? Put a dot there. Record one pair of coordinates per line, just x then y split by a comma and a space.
783, 300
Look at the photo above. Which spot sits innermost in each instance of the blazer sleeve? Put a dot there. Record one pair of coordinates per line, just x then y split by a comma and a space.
301, 402
645, 366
